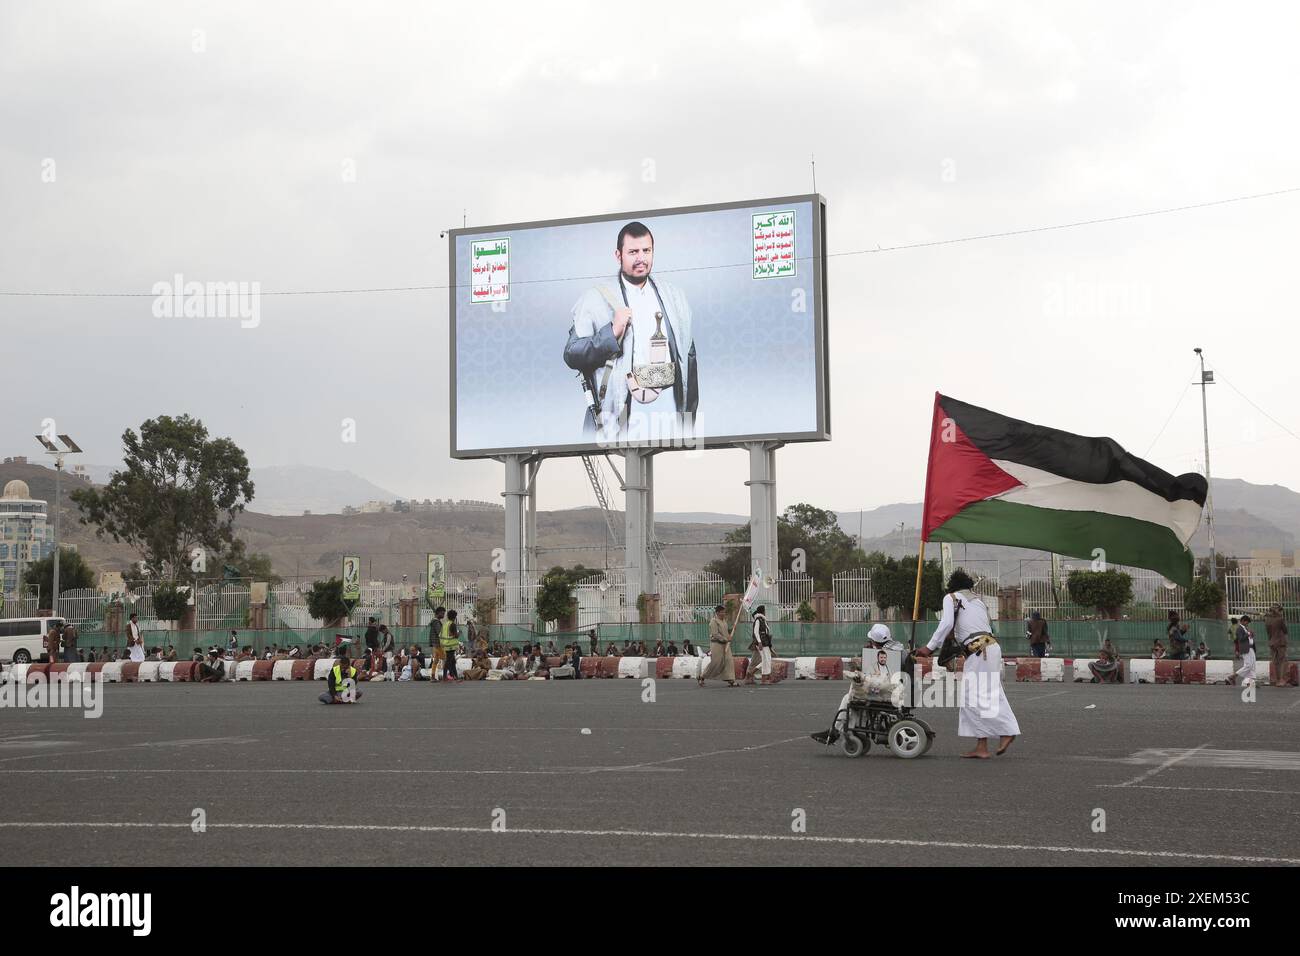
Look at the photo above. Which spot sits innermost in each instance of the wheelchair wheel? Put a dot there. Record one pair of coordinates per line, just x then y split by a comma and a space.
908, 739
853, 745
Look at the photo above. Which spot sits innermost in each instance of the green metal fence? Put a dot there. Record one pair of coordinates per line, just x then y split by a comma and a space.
790, 639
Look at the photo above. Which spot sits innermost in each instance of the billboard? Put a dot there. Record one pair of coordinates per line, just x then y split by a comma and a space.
670, 328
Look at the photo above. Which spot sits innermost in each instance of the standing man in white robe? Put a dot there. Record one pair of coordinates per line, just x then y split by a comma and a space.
985, 711
611, 336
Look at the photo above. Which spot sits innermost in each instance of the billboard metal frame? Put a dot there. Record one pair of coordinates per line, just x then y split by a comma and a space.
822, 431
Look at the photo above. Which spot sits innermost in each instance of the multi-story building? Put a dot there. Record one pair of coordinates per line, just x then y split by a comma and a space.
24, 535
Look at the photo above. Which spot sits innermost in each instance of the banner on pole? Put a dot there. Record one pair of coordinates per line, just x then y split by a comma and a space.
436, 577
751, 592
351, 577
945, 554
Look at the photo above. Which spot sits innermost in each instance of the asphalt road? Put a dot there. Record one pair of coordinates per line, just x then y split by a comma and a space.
502, 773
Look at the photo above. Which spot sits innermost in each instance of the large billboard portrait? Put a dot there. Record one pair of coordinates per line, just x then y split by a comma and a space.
672, 328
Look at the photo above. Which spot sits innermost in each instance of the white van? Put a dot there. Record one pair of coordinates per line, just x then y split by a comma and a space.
22, 639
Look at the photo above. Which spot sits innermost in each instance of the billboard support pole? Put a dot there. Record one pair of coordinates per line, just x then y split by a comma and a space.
512, 560
530, 526
635, 553
762, 509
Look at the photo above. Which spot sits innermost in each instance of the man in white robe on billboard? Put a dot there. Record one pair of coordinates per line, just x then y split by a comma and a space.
985, 711
627, 326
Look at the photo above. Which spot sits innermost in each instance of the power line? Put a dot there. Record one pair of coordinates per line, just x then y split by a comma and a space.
1254, 406
1177, 405
732, 265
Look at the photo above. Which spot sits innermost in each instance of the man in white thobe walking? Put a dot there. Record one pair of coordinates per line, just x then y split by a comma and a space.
985, 711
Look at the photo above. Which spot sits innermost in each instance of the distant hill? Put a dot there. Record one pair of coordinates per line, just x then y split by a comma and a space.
292, 489
1248, 516
701, 517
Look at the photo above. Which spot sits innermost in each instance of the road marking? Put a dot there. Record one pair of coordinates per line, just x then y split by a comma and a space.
658, 835
708, 753
1180, 756
558, 772
1043, 697
1112, 786
1220, 759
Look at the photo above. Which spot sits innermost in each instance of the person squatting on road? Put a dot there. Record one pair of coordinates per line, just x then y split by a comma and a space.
985, 711
338, 690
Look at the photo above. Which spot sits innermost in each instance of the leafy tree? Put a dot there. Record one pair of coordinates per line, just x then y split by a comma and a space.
805, 613
483, 608
1223, 564
1107, 591
893, 584
178, 490
325, 600
74, 572
170, 601
1203, 599
555, 593
826, 548
239, 563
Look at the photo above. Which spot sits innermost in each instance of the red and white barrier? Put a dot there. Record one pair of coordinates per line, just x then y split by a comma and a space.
148, 672
112, 671
635, 667
1218, 672
243, 670
688, 666
1049, 669
1140, 670
282, 670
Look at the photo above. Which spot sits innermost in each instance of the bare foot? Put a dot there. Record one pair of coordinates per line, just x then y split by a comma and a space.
1006, 742
978, 754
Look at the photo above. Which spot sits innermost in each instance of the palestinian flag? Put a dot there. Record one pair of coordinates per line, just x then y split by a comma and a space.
997, 480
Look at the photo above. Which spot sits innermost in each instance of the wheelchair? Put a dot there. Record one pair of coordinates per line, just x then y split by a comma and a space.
881, 722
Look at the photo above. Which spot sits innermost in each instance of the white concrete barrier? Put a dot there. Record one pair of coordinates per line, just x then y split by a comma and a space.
1052, 669
1081, 670
805, 668
688, 666
17, 673
243, 670
283, 670
1141, 669
322, 669
76, 671
1218, 672
112, 672
633, 666
167, 670
148, 672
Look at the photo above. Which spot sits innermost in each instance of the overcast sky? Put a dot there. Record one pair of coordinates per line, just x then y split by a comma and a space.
224, 155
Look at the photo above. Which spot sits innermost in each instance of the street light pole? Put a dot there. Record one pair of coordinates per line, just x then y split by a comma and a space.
1207, 379
58, 472
69, 448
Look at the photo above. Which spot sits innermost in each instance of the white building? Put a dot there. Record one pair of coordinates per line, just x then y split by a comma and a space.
24, 535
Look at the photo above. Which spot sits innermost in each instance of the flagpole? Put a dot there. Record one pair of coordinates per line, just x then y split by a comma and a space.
916, 601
